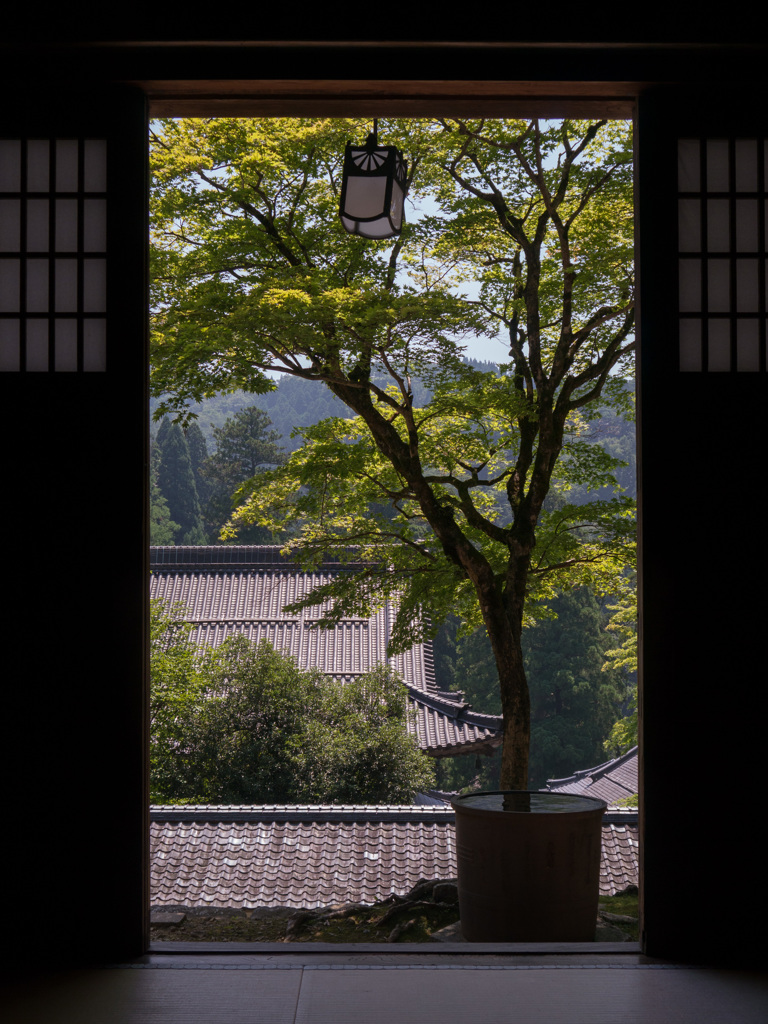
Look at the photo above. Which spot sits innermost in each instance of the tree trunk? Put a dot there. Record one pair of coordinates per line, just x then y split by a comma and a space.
505, 634
516, 711
502, 608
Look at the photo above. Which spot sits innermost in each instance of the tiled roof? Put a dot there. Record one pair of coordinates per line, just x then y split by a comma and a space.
317, 856
613, 781
619, 866
242, 590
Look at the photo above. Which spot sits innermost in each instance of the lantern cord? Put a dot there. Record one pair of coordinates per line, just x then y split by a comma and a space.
372, 142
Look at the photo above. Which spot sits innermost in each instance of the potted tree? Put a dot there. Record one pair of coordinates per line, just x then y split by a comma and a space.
450, 478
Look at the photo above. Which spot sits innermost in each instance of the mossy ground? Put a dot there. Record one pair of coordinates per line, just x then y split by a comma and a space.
624, 905
378, 923
369, 924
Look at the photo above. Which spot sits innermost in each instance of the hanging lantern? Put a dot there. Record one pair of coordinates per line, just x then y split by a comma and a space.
373, 189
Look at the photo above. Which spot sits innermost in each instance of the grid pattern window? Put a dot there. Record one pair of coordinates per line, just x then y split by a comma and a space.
53, 248
722, 213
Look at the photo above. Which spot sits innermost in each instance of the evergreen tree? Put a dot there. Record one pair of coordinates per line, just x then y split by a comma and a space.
574, 703
244, 446
162, 528
198, 453
176, 482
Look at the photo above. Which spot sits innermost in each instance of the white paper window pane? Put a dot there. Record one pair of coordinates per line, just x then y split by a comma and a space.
690, 286
747, 294
718, 234
365, 196
10, 165
688, 167
94, 286
65, 346
95, 346
689, 225
37, 286
66, 286
746, 225
95, 225
66, 165
10, 354
37, 225
745, 160
66, 225
38, 167
10, 225
690, 346
717, 165
95, 165
37, 346
747, 346
719, 346
10, 278
719, 286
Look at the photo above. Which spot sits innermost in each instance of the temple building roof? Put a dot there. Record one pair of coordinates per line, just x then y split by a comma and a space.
230, 590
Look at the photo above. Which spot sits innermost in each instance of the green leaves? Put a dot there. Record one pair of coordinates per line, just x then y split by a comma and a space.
623, 656
243, 724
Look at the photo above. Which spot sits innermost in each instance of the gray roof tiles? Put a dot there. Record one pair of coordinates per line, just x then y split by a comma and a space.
439, 812
619, 865
317, 856
241, 591
293, 863
612, 781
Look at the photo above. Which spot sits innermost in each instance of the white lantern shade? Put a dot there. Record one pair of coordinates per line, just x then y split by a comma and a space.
373, 191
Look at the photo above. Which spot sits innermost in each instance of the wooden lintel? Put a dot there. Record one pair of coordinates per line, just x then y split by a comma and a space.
339, 98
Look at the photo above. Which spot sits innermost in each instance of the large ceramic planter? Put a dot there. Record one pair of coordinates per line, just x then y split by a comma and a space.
528, 866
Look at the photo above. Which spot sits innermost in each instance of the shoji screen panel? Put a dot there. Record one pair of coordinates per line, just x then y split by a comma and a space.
721, 255
53, 255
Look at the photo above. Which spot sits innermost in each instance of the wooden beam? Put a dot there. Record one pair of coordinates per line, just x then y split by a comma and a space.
405, 98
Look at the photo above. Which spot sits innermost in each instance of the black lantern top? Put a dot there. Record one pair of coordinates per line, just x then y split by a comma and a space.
373, 189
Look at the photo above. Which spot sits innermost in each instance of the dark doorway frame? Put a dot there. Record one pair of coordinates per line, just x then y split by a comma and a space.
688, 639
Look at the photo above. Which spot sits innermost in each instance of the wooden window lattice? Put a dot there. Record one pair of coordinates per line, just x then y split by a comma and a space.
722, 213
53, 250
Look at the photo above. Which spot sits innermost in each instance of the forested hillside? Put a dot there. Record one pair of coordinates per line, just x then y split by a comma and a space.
294, 403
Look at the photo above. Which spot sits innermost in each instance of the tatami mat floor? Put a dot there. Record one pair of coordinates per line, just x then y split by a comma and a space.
271, 990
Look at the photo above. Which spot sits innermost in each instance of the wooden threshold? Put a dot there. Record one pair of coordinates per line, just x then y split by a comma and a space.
598, 952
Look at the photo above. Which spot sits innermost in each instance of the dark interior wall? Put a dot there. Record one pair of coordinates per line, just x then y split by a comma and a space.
74, 568
704, 567
73, 516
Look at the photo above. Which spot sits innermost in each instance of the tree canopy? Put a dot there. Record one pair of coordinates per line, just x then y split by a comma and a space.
243, 724
623, 657
522, 231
